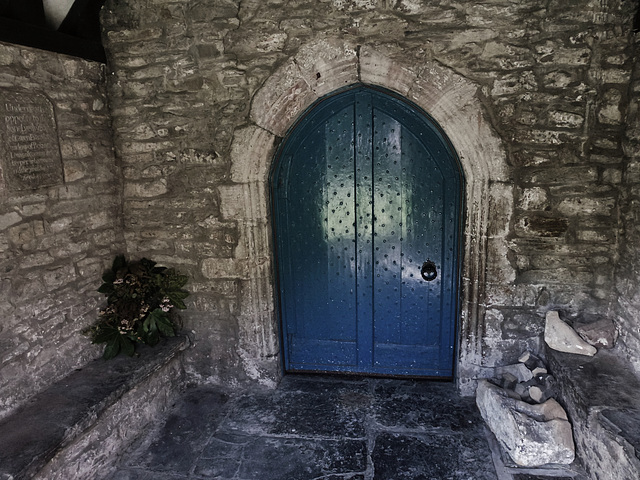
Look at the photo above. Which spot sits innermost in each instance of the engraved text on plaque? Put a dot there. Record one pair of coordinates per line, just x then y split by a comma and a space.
29, 145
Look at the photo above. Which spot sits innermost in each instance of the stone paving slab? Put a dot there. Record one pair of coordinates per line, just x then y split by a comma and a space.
422, 406
317, 427
404, 456
178, 444
302, 408
274, 458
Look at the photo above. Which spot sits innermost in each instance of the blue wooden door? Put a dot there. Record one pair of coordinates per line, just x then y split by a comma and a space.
366, 195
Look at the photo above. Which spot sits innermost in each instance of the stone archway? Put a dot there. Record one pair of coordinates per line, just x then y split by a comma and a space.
322, 67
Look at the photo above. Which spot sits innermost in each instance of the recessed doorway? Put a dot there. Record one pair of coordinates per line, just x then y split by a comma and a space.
367, 198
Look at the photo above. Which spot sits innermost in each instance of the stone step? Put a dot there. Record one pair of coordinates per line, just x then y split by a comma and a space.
77, 427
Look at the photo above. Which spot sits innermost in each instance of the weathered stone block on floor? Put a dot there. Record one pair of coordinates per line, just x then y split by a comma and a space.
532, 435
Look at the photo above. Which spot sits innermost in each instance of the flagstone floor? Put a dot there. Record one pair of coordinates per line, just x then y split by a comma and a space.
318, 427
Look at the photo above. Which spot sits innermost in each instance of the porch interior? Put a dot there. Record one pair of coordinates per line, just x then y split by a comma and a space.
155, 135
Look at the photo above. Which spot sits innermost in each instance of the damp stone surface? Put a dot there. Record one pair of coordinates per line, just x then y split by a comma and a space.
317, 427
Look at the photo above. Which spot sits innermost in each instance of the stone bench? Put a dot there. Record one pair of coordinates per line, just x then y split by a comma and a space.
601, 395
77, 427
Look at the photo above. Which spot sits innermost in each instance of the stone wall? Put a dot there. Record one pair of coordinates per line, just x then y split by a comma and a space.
533, 95
628, 278
60, 222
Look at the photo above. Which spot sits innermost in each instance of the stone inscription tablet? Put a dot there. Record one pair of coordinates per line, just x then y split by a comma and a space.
30, 149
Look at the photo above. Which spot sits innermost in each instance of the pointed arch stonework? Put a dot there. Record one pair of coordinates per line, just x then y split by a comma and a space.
320, 68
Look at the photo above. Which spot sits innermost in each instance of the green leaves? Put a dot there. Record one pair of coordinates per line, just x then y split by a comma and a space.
140, 301
176, 297
117, 345
116, 342
156, 324
172, 283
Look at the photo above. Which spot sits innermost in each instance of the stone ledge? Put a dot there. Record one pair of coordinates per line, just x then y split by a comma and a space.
71, 429
601, 396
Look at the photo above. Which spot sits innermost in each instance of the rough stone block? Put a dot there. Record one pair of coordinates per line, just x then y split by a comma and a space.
530, 360
568, 56
612, 175
537, 394
586, 206
601, 333
532, 435
558, 79
518, 370
33, 209
542, 226
610, 115
507, 380
9, 219
248, 157
534, 198
566, 119
514, 83
505, 56
560, 336
146, 189
615, 75
521, 325
610, 110
568, 175
224, 268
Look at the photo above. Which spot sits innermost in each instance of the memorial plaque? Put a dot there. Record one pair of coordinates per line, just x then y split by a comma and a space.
30, 149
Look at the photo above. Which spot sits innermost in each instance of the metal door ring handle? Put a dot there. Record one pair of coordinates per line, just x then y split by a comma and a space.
429, 271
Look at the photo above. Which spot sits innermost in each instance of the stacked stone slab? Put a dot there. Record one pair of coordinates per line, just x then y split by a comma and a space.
527, 380
506, 401
532, 435
518, 407
582, 337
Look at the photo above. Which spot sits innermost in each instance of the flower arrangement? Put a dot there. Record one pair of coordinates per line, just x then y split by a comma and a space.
140, 302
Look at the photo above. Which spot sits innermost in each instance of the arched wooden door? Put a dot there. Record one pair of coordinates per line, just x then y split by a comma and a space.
366, 195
